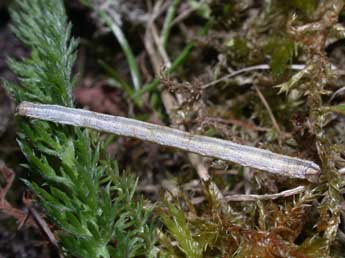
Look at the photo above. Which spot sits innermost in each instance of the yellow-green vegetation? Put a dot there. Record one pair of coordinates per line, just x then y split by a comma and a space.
259, 73
281, 33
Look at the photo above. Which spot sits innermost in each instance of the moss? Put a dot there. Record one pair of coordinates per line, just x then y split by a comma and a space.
281, 49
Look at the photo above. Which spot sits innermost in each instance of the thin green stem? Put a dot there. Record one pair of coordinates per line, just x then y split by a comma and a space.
135, 74
121, 38
168, 22
122, 83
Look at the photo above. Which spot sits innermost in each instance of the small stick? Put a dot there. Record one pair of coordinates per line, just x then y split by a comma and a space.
297, 67
249, 69
42, 224
5, 207
258, 197
269, 110
203, 145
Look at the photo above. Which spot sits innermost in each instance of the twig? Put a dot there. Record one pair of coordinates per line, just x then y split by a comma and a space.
5, 206
154, 57
297, 67
254, 197
203, 145
338, 91
8, 175
42, 224
242, 124
160, 46
257, 197
269, 110
185, 14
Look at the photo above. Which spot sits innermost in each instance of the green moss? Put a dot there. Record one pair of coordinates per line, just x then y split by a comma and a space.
238, 47
281, 49
302, 7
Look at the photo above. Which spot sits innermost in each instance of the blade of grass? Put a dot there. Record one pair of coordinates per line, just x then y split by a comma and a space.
121, 38
168, 22
121, 83
115, 27
136, 78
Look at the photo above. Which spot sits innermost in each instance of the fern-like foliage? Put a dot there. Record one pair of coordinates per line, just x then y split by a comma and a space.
47, 75
92, 205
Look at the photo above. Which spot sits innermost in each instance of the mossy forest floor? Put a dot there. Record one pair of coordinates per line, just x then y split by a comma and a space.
289, 98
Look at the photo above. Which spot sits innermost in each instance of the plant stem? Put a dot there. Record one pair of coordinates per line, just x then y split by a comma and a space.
177, 62
168, 22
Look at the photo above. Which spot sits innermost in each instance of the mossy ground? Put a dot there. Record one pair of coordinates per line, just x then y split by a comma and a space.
180, 47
